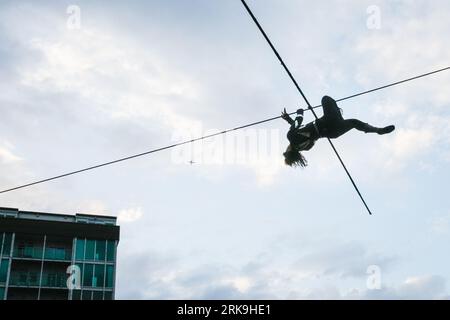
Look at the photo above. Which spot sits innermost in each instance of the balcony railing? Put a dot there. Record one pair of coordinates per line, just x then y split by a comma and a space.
24, 279
58, 254
31, 279
36, 253
28, 252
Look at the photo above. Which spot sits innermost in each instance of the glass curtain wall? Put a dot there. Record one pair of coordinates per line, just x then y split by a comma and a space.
6, 240
95, 259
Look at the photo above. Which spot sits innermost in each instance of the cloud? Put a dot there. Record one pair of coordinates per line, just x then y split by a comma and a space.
440, 225
406, 42
242, 284
419, 133
423, 287
7, 156
98, 78
419, 287
408, 143
157, 276
131, 76
13, 167
163, 276
115, 79
96, 207
130, 215
141, 276
328, 292
343, 260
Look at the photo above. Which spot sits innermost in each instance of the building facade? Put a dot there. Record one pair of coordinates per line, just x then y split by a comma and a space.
46, 256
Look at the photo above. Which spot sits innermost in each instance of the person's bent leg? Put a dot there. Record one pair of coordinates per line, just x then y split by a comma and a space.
331, 110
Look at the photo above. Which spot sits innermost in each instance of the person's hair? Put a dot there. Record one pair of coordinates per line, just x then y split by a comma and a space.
294, 158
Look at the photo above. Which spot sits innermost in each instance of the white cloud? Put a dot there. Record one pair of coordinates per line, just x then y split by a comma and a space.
311, 277
115, 78
390, 109
423, 286
417, 287
96, 207
418, 135
130, 215
408, 143
101, 76
13, 167
440, 225
242, 284
156, 276
123, 81
7, 155
407, 41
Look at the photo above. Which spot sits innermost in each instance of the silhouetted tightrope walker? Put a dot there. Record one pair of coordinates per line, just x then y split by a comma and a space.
331, 125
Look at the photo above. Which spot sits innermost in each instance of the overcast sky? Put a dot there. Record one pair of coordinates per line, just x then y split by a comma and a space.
237, 223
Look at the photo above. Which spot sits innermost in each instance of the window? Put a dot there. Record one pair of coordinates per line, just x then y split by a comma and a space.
59, 253
66, 253
100, 248
7, 244
1, 242
99, 276
28, 252
98, 295
61, 280
87, 295
79, 255
51, 279
50, 253
108, 295
111, 247
109, 276
20, 251
2, 293
76, 295
79, 265
22, 279
90, 249
34, 279
4, 270
88, 274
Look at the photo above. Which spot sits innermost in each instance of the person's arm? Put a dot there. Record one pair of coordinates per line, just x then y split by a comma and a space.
285, 116
299, 118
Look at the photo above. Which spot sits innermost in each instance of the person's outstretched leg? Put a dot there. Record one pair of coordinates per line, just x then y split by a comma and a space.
344, 126
386, 130
365, 127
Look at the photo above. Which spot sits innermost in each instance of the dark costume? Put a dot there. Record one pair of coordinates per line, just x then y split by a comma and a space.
331, 125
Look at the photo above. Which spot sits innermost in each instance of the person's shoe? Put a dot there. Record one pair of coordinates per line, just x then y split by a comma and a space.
386, 130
